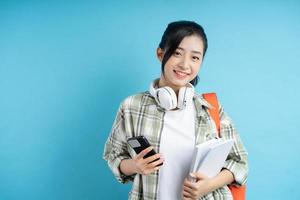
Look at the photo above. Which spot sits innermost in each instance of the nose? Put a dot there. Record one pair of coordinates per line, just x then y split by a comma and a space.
184, 63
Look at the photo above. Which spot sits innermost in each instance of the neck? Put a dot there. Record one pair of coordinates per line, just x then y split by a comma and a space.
162, 83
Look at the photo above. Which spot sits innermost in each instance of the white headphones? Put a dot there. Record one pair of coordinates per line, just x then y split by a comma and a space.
166, 97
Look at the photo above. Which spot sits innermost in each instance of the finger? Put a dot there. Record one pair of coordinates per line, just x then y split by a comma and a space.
154, 169
198, 175
192, 179
152, 158
189, 184
189, 190
187, 198
186, 195
191, 195
144, 152
156, 163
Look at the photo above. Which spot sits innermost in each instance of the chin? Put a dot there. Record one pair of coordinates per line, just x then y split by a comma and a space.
180, 83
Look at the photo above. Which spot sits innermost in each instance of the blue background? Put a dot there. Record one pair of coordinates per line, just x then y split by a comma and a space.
65, 68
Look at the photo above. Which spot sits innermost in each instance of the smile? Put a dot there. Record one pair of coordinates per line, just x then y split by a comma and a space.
180, 74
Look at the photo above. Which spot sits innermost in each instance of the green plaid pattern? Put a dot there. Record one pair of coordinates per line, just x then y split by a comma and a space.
140, 115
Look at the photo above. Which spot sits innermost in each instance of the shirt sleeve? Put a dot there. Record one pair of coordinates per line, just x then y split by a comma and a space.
237, 160
115, 149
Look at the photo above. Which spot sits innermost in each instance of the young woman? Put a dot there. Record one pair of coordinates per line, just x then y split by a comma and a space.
173, 119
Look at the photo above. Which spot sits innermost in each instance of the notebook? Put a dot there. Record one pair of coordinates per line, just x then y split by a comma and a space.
210, 156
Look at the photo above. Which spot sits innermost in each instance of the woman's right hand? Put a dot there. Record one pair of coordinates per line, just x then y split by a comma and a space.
148, 165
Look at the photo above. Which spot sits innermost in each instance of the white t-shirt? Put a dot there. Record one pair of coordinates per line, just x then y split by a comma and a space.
177, 146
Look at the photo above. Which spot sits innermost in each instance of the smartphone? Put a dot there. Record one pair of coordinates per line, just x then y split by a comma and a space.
139, 143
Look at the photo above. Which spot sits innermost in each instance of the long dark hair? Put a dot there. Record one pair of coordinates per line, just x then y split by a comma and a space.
174, 34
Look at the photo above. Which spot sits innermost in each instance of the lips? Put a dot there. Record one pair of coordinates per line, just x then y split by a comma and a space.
180, 74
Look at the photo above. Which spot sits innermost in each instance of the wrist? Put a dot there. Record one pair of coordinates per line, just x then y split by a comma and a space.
133, 166
212, 184
128, 167
225, 177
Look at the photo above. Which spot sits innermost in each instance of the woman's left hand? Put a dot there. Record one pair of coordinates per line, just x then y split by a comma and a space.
195, 190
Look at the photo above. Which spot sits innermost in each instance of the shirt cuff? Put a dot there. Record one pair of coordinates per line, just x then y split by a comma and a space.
239, 171
114, 162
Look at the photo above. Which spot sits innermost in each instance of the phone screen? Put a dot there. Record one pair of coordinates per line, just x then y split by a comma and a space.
139, 143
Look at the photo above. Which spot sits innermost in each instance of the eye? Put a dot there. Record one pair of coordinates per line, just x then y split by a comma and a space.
196, 58
177, 53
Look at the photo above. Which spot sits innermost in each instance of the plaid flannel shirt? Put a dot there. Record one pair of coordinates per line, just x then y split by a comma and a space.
141, 115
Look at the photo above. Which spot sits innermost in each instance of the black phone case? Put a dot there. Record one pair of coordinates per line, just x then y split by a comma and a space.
143, 145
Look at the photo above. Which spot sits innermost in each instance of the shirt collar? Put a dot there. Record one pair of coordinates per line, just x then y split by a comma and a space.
201, 102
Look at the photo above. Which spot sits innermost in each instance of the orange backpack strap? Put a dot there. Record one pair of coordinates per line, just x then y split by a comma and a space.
212, 99
238, 192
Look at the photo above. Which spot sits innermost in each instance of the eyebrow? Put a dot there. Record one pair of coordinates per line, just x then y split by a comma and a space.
198, 52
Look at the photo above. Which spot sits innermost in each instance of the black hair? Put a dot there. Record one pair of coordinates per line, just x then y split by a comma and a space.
174, 34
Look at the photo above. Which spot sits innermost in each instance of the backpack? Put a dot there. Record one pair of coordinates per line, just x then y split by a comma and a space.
238, 192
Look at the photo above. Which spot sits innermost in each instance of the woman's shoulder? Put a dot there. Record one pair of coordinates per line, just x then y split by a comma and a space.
137, 100
202, 101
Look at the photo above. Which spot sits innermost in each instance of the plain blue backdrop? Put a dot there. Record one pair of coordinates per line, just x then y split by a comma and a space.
65, 66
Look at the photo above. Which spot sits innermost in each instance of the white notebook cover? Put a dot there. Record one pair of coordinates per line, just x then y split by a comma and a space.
210, 156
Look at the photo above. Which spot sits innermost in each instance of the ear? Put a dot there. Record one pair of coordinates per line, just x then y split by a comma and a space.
159, 54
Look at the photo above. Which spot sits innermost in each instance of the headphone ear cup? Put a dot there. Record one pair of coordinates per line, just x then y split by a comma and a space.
167, 98
153, 91
185, 96
182, 98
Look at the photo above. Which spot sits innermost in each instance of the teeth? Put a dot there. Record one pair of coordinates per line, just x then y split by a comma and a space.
181, 73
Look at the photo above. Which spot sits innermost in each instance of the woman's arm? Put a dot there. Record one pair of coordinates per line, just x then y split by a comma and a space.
237, 160
225, 177
115, 150
235, 169
205, 185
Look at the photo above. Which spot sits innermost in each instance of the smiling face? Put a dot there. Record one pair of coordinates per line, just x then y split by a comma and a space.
183, 66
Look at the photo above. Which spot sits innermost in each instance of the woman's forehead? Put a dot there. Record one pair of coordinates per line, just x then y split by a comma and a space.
191, 43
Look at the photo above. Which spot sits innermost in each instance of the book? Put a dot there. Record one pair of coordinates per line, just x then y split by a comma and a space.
210, 156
